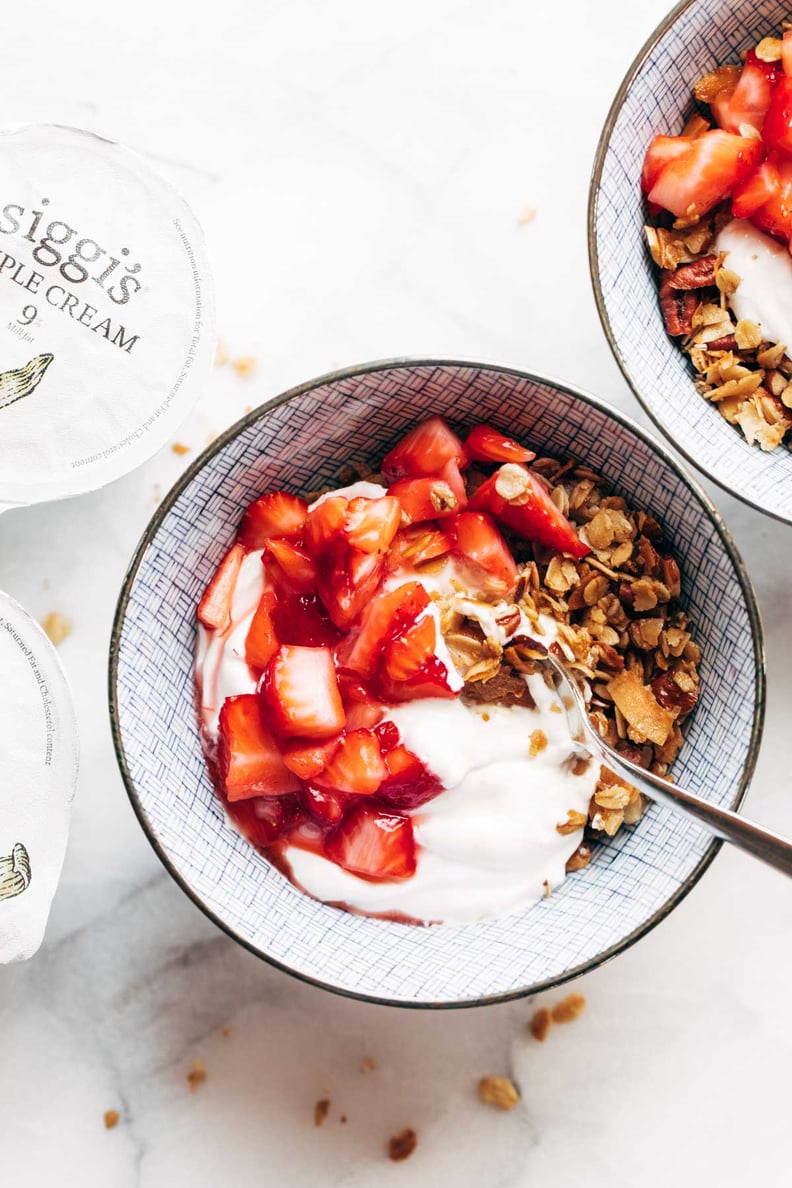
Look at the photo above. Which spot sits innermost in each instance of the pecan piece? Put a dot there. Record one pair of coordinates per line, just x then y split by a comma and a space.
727, 343
700, 274
677, 307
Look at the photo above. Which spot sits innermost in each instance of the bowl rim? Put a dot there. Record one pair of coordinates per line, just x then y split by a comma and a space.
757, 641
598, 166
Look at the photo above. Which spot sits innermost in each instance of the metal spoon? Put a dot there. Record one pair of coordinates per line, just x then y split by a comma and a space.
769, 847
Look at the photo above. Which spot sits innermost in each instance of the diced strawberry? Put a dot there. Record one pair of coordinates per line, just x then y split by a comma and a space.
388, 735
300, 694
405, 656
214, 609
364, 715
481, 544
485, 444
306, 759
267, 819
425, 499
661, 152
304, 621
516, 498
261, 642
748, 104
409, 783
759, 187
371, 524
786, 52
249, 759
325, 524
276, 514
775, 215
777, 130
417, 544
425, 450
347, 582
357, 767
713, 165
324, 804
295, 563
430, 681
385, 617
373, 844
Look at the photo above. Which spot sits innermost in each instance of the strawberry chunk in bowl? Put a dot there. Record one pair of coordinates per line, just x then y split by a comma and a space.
378, 750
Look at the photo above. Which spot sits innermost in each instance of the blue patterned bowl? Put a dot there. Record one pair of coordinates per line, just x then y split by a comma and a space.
656, 96
303, 440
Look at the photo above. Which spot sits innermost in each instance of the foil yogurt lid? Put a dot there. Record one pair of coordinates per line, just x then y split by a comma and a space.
106, 312
38, 772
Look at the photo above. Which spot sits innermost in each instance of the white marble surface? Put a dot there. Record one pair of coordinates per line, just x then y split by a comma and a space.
360, 170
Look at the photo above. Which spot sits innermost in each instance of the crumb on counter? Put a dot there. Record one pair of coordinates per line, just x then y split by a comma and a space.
402, 1145
245, 365
527, 216
499, 1092
568, 1008
180, 448
343, 1118
540, 1024
321, 1110
226, 1031
111, 1119
196, 1076
221, 354
57, 627
368, 1064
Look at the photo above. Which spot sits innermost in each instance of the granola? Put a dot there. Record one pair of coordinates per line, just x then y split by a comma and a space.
620, 628
748, 379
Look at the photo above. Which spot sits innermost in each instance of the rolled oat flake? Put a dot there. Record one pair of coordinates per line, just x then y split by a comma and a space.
106, 312
38, 772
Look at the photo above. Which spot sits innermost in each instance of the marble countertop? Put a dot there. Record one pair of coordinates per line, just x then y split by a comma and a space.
361, 172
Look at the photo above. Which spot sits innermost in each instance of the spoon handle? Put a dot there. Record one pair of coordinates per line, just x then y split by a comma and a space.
769, 847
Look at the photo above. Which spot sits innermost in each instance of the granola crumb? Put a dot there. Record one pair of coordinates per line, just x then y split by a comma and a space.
226, 1031
527, 216
245, 365
568, 1008
499, 1092
555, 708
368, 1064
180, 448
221, 354
321, 1110
111, 1119
248, 408
196, 1076
402, 1145
538, 742
540, 1024
57, 627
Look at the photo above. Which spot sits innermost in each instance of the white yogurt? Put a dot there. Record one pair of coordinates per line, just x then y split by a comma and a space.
488, 844
764, 266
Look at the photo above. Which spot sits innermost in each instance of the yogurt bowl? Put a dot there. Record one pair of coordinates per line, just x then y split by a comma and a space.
304, 441
656, 98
